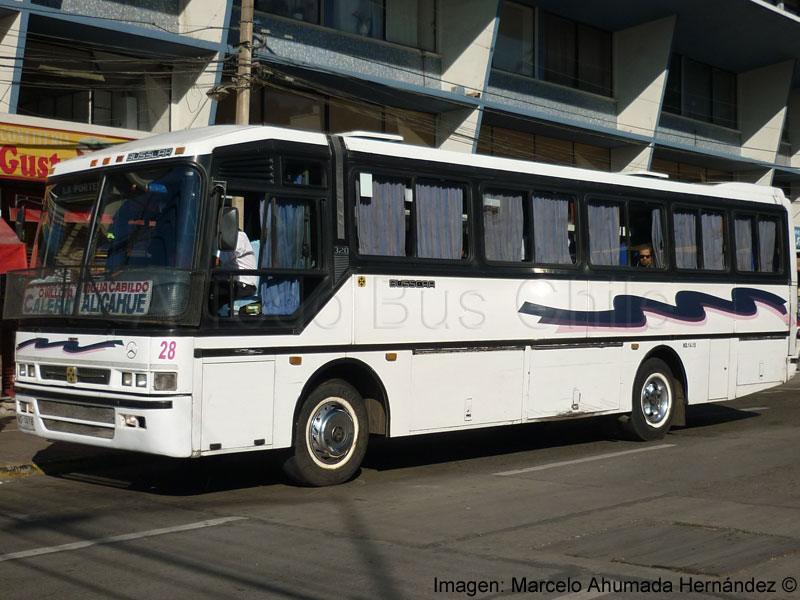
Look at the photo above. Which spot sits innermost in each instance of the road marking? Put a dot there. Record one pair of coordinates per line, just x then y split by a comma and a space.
117, 538
755, 408
582, 460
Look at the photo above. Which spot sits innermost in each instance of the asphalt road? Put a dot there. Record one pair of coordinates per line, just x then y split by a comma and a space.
558, 510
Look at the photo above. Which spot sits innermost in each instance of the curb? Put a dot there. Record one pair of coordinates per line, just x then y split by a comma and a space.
19, 471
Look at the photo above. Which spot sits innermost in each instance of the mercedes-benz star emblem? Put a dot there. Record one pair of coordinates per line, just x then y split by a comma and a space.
130, 350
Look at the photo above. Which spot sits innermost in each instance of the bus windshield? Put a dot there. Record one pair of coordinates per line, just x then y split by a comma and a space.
146, 217
116, 246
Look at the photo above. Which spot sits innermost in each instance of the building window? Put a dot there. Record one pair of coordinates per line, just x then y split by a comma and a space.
514, 48
498, 141
399, 21
701, 92
298, 109
89, 86
690, 173
576, 55
572, 54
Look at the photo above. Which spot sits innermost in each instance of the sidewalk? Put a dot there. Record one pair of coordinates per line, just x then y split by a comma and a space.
22, 454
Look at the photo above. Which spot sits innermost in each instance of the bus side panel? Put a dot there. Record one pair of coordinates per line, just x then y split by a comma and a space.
571, 381
463, 389
237, 403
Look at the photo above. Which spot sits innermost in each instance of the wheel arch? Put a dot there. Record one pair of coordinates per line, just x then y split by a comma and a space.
366, 382
674, 362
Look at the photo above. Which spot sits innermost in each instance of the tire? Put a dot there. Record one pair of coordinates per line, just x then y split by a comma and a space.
330, 436
653, 401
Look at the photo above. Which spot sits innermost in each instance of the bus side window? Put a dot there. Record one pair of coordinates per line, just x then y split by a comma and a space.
440, 212
768, 246
646, 235
553, 228
381, 215
712, 225
745, 252
505, 225
685, 231
607, 245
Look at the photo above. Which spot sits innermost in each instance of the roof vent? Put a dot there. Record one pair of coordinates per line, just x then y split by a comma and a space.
373, 135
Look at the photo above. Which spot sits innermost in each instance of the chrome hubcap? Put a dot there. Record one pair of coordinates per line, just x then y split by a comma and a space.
331, 432
656, 400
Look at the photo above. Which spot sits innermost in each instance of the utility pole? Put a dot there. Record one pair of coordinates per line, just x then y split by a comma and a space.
245, 64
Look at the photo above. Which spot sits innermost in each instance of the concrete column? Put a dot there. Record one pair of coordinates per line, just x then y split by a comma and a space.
762, 98
458, 130
631, 158
190, 105
794, 127
641, 60
466, 40
12, 49
204, 19
759, 176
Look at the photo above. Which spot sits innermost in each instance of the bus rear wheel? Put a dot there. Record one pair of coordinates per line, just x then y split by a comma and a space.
331, 436
653, 401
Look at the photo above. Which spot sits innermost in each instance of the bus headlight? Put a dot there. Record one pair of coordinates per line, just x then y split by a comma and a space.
141, 380
165, 382
127, 378
133, 421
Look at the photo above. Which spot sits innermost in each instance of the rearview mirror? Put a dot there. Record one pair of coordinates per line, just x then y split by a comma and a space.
227, 228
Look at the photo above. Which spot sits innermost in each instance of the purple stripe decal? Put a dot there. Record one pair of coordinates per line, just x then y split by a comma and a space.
70, 346
629, 311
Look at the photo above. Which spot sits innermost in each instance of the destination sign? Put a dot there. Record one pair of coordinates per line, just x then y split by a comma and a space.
116, 298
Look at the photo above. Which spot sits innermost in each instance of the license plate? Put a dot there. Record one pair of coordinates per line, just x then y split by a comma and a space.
25, 422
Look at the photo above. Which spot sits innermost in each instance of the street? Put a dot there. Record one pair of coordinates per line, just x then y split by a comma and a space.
551, 510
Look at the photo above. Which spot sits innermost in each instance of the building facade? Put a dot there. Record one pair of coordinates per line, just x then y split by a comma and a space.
82, 74
702, 91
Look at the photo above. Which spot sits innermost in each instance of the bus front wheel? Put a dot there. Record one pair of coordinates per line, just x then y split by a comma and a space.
331, 436
653, 401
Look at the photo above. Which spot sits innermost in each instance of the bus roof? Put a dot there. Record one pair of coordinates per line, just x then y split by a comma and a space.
199, 141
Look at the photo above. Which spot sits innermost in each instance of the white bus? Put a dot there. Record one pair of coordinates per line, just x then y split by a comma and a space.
399, 290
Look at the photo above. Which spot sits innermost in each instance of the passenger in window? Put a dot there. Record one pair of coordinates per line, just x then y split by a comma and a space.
243, 258
645, 257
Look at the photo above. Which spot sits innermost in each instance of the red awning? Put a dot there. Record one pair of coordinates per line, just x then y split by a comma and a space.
12, 251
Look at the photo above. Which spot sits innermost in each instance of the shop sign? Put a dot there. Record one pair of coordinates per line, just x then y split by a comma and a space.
30, 153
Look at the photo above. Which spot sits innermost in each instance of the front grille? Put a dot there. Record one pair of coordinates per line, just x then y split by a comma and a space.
85, 374
81, 412
79, 428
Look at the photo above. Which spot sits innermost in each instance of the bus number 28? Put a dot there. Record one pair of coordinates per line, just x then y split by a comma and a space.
167, 351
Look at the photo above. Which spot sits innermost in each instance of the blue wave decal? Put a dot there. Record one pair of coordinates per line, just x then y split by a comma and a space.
629, 311
70, 346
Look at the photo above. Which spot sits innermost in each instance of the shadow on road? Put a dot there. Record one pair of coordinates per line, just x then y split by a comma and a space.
189, 477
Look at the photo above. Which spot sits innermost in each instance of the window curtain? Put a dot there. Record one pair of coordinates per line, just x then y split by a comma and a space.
685, 240
381, 219
766, 244
604, 234
657, 238
550, 230
284, 224
743, 231
503, 223
439, 211
713, 241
